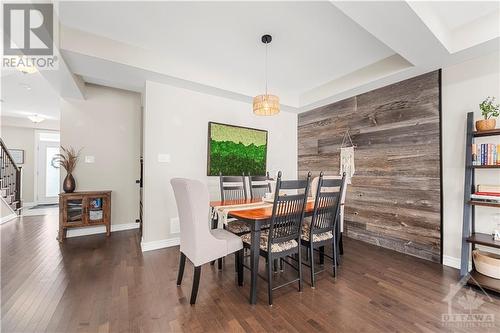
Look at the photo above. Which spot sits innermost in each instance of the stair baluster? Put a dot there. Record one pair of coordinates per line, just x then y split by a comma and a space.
10, 179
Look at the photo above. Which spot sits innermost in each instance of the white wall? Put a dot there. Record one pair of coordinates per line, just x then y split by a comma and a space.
107, 126
464, 86
19, 132
23, 138
176, 123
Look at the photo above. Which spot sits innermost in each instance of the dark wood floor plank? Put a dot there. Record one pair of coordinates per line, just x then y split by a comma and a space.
100, 284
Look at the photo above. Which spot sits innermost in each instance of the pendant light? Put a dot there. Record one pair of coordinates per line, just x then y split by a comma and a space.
266, 105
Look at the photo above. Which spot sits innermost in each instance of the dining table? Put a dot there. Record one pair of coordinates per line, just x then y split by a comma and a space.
255, 213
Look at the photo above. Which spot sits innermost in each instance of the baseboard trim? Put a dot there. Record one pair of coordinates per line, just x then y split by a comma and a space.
160, 244
453, 262
9, 217
77, 232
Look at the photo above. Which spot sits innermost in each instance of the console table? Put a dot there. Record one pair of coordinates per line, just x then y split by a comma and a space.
84, 209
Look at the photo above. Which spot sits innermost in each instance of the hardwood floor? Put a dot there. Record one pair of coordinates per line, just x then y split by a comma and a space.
99, 284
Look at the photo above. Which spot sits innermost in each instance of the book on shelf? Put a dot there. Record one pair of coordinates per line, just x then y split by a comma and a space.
488, 188
492, 194
74, 218
485, 198
485, 154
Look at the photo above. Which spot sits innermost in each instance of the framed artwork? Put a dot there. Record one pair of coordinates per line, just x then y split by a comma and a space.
17, 155
234, 150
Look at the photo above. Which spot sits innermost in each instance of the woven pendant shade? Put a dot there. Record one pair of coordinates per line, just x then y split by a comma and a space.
266, 105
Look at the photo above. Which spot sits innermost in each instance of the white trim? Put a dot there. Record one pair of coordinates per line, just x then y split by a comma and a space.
160, 244
453, 262
35, 167
7, 218
29, 204
99, 229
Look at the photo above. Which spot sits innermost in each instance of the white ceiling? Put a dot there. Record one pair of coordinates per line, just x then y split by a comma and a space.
321, 52
455, 14
24, 95
218, 43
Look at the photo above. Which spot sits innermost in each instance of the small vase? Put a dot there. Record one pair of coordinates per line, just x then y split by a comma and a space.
69, 184
486, 124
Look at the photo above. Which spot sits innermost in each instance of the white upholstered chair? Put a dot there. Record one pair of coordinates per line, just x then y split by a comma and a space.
199, 243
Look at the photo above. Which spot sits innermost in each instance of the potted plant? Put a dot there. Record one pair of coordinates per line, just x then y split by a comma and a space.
68, 159
489, 110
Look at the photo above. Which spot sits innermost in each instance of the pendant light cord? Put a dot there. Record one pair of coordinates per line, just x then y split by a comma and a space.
266, 67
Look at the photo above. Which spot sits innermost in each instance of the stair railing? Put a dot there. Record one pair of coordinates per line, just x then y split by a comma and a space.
10, 179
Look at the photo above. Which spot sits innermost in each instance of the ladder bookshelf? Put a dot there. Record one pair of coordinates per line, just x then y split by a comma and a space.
469, 235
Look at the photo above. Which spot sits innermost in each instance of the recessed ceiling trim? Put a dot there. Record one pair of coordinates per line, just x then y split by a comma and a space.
182, 40
97, 70
370, 73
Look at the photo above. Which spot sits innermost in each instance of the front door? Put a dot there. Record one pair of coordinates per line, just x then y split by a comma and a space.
48, 172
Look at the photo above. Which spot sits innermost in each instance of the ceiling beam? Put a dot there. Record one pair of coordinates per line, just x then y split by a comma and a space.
102, 60
397, 25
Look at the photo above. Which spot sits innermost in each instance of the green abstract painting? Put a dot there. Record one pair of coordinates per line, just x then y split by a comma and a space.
235, 150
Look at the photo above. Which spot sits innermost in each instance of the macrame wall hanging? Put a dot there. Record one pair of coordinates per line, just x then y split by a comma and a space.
347, 157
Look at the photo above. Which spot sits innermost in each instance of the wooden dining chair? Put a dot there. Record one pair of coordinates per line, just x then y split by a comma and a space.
259, 186
340, 226
322, 229
199, 243
234, 188
282, 239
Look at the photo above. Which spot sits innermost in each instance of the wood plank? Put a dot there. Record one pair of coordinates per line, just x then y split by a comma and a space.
483, 239
394, 198
484, 203
492, 132
486, 166
100, 284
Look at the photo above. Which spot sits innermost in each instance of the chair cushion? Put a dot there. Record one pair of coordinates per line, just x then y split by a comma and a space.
306, 226
233, 242
237, 227
264, 236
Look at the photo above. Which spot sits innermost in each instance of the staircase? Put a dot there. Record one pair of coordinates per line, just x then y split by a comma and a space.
10, 180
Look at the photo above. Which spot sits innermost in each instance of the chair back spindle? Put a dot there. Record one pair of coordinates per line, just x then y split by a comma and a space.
259, 186
232, 188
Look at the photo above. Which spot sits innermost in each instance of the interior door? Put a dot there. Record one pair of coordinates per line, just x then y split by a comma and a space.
47, 172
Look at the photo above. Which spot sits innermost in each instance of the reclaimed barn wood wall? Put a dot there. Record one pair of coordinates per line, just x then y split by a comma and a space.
394, 199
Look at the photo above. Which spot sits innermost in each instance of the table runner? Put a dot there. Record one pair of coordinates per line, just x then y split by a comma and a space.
222, 211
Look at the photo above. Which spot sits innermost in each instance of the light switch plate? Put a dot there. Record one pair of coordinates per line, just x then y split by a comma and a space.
163, 158
89, 159
175, 227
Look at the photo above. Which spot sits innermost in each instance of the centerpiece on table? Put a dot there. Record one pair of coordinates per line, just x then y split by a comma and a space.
68, 160
489, 111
